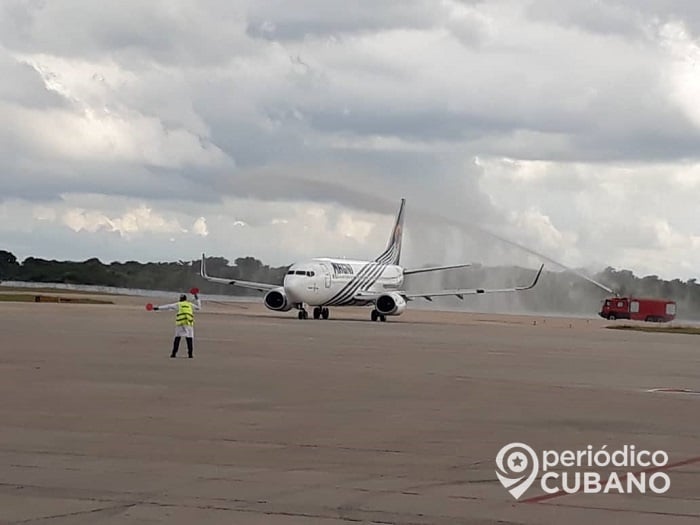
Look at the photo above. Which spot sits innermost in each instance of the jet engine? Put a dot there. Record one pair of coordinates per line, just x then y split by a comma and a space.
277, 300
390, 304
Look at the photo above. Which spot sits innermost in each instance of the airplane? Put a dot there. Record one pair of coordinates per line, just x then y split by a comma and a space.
326, 282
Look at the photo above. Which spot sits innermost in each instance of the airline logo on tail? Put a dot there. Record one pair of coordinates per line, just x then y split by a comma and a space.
392, 254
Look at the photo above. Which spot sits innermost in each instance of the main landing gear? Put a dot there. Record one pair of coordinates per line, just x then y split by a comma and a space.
321, 312
377, 316
318, 312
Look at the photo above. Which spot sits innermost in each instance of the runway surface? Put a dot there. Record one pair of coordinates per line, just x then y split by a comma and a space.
280, 421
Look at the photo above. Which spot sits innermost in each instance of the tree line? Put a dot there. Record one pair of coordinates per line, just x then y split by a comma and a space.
557, 292
166, 276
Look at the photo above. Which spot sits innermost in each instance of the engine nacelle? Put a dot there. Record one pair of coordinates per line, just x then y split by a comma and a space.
390, 304
277, 300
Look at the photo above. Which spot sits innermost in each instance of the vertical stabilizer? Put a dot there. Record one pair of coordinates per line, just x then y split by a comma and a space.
392, 254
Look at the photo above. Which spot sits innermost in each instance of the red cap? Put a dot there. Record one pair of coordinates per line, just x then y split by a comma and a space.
194, 291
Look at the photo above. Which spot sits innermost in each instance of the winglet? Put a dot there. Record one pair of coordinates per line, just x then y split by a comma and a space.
537, 277
203, 267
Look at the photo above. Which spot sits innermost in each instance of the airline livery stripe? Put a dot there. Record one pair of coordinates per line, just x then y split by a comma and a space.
349, 291
367, 274
366, 283
351, 282
386, 252
389, 254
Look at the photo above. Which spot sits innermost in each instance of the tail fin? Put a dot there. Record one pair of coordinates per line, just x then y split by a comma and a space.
392, 254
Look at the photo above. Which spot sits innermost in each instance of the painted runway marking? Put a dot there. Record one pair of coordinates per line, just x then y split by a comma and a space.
674, 391
560, 493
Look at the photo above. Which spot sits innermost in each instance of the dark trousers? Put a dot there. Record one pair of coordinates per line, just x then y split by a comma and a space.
176, 346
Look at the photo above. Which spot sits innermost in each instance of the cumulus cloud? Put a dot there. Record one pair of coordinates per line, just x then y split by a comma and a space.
137, 221
200, 227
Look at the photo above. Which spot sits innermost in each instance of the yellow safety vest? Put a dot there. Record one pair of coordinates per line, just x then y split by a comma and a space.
185, 314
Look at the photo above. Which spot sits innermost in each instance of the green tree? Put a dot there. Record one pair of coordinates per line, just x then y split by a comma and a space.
8, 265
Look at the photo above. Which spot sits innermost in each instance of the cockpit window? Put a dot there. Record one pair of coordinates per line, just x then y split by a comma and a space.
307, 273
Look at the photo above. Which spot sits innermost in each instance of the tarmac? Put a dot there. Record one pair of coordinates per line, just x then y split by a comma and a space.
285, 422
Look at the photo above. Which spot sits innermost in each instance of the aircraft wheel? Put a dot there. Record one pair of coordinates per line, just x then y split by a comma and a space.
303, 314
374, 315
325, 313
382, 318
317, 313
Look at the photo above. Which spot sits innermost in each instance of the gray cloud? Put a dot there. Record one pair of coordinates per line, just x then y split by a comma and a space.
131, 31
274, 20
606, 18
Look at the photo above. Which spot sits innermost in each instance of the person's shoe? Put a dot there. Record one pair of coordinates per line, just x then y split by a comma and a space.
173, 355
190, 356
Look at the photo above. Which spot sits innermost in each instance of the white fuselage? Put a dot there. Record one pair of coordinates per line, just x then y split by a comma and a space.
338, 282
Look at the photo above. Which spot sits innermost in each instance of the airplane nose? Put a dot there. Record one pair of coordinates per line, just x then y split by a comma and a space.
294, 287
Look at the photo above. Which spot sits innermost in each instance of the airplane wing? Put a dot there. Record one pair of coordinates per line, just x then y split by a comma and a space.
434, 268
458, 292
261, 287
461, 292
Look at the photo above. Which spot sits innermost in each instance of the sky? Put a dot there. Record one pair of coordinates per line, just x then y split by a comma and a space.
284, 130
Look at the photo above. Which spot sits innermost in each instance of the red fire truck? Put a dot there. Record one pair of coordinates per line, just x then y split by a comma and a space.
636, 309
